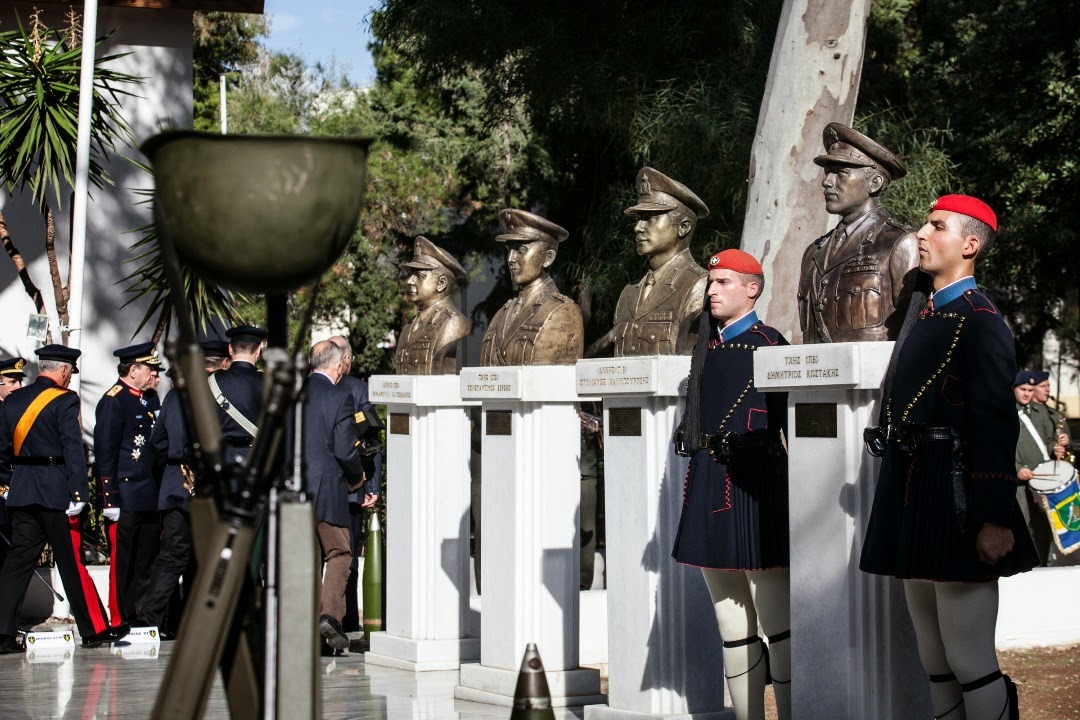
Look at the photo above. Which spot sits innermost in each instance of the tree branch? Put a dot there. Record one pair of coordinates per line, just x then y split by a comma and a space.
54, 273
20, 267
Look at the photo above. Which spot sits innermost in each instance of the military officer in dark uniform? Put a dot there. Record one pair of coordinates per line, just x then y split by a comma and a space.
11, 379
659, 314
43, 465
734, 523
856, 280
428, 345
173, 468
129, 492
945, 517
238, 391
540, 326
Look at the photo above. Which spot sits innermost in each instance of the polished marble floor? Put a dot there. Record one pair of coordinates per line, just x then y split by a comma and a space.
95, 683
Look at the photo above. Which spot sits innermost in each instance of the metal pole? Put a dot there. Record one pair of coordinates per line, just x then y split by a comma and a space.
82, 180
224, 107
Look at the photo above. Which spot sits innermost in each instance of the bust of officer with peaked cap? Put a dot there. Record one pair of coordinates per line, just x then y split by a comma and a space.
659, 314
856, 280
540, 326
428, 345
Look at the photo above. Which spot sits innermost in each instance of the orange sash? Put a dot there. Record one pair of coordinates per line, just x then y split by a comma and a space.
27, 420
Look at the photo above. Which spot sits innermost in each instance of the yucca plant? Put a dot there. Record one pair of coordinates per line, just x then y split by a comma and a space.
39, 110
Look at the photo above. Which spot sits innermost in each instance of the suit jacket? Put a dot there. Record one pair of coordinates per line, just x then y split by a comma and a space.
242, 386
122, 449
428, 345
862, 292
357, 390
57, 432
665, 322
541, 326
331, 459
171, 447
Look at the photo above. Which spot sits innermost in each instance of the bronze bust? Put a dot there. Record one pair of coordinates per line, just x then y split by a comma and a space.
540, 326
428, 345
856, 280
659, 314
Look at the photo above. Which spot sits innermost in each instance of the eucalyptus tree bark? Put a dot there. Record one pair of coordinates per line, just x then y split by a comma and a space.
17, 260
813, 80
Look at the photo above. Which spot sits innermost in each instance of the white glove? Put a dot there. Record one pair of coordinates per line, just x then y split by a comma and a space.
75, 508
4, 494
111, 514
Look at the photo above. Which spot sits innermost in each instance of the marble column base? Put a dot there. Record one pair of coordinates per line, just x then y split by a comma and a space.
421, 655
494, 686
603, 712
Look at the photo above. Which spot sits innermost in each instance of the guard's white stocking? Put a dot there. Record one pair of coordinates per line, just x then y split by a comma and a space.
744, 663
967, 615
946, 699
772, 599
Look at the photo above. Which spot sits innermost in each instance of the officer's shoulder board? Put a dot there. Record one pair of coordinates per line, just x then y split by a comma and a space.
894, 223
115, 390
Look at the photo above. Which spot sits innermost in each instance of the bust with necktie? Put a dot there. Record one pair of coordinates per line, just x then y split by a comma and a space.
659, 314
540, 326
856, 280
428, 345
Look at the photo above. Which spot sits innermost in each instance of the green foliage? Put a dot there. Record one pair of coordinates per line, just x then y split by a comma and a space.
39, 111
222, 43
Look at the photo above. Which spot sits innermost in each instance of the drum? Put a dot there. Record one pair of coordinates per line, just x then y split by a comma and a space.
1052, 476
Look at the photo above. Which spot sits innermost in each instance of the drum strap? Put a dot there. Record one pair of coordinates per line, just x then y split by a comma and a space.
1026, 421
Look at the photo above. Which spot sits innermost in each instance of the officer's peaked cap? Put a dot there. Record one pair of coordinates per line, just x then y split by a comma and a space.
847, 146
429, 256
657, 193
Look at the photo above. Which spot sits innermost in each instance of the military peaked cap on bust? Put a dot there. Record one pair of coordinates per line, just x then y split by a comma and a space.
429, 256
846, 146
521, 226
658, 193
246, 333
145, 353
60, 353
214, 348
13, 367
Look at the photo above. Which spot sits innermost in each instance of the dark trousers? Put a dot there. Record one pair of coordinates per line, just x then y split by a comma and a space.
133, 549
31, 528
351, 622
174, 557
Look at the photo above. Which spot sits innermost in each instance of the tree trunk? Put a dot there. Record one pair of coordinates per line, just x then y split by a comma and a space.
59, 291
813, 80
24, 273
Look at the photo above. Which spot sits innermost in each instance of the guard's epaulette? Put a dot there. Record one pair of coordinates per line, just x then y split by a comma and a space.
115, 390
978, 301
768, 333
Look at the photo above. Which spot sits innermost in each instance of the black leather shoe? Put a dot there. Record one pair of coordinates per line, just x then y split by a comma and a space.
8, 645
166, 635
330, 629
119, 631
109, 635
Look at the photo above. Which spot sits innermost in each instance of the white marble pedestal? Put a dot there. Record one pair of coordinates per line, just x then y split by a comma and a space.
531, 497
427, 542
664, 649
853, 651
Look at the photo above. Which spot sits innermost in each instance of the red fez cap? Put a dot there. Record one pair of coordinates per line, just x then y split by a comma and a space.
967, 205
737, 260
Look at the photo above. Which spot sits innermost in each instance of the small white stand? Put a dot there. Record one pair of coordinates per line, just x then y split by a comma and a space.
427, 542
853, 651
531, 498
664, 648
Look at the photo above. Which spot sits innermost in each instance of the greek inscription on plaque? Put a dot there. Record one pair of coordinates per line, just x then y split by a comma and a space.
817, 420
399, 423
499, 422
624, 422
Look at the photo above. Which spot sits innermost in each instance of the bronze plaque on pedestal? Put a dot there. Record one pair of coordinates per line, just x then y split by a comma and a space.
815, 420
624, 422
499, 422
399, 423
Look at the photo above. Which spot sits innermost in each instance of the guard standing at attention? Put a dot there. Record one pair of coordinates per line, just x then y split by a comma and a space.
945, 518
734, 523
238, 391
125, 471
43, 473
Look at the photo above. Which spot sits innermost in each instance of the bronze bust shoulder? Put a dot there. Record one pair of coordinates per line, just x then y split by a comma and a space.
428, 345
659, 314
856, 280
540, 326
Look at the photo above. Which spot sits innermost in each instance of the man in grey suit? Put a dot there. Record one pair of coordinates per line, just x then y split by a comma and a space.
332, 467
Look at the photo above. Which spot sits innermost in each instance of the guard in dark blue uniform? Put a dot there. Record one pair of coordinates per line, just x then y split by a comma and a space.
734, 523
945, 517
43, 465
11, 379
238, 391
365, 420
126, 475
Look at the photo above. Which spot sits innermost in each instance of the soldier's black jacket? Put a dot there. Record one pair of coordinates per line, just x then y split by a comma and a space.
56, 433
242, 386
122, 449
171, 448
954, 373
357, 390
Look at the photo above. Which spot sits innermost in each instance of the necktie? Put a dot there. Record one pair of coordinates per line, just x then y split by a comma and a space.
649, 282
838, 240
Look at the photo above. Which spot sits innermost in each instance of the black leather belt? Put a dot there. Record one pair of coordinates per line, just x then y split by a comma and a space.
47, 460
722, 446
238, 442
177, 461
